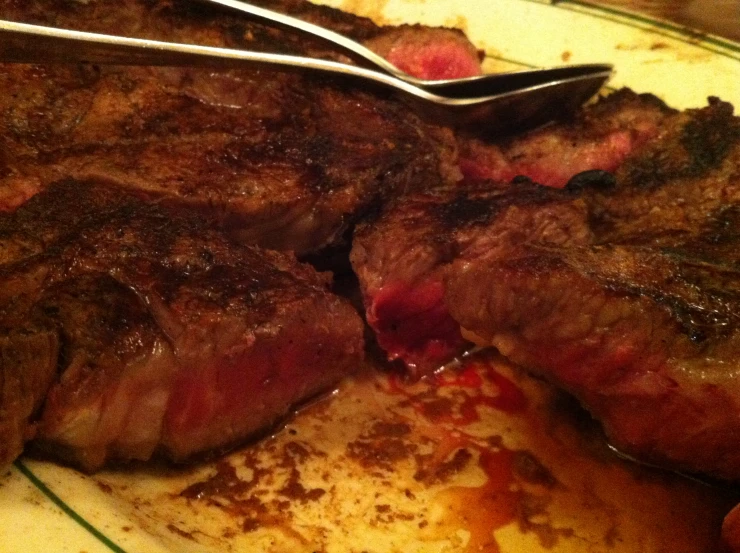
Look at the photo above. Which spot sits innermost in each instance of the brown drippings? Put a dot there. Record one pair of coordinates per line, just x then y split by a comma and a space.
459, 461
380, 454
179, 532
105, 488
224, 483
442, 472
452, 403
296, 491
528, 468
242, 497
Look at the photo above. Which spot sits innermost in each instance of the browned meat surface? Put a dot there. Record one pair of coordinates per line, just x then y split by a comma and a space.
600, 136
281, 160
731, 532
641, 323
127, 329
400, 254
622, 288
400, 258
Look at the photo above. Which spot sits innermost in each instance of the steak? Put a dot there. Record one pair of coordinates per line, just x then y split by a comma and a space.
401, 253
127, 330
400, 258
640, 322
283, 160
622, 287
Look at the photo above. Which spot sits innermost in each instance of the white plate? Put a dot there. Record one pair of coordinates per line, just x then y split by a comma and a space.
372, 487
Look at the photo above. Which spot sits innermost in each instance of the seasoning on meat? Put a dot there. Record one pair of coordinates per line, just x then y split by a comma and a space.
640, 319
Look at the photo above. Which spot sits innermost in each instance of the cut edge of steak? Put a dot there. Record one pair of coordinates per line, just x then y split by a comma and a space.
622, 288
629, 332
400, 255
401, 258
28, 363
171, 338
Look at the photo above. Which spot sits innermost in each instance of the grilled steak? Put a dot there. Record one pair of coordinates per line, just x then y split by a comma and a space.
400, 259
127, 329
282, 160
622, 288
401, 254
641, 323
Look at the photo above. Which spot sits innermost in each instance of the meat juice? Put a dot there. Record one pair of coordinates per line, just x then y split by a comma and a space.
476, 458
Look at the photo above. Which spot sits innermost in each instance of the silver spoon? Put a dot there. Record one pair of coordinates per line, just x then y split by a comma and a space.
514, 100
454, 88
476, 85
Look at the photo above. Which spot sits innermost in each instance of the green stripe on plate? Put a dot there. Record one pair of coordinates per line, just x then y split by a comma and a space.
71, 513
716, 45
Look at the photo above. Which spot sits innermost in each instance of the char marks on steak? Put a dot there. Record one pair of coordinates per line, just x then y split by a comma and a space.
400, 255
641, 322
286, 161
128, 329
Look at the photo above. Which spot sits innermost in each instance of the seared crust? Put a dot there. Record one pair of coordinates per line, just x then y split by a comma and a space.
407, 244
152, 313
599, 136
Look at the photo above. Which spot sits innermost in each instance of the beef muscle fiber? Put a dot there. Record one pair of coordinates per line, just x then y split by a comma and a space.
401, 254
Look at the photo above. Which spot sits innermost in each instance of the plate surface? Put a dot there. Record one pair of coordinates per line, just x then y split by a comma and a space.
483, 459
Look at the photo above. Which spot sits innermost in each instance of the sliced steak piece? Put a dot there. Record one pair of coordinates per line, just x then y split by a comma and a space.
28, 362
161, 333
601, 136
400, 257
283, 160
400, 254
642, 325
428, 53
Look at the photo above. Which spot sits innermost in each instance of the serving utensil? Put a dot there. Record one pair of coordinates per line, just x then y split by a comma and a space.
477, 85
512, 100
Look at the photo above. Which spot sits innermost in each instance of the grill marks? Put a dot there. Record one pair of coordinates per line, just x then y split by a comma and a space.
153, 331
404, 254
622, 287
253, 152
